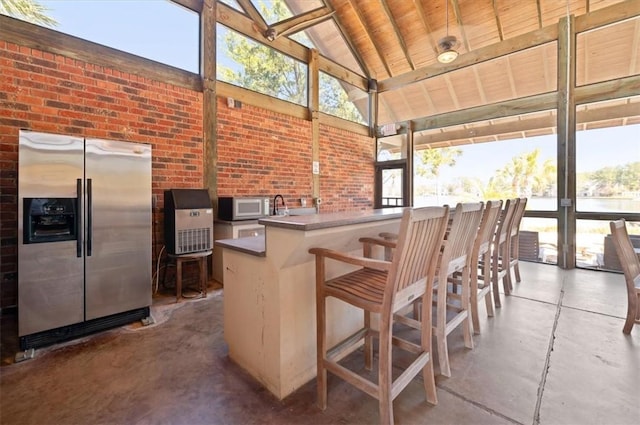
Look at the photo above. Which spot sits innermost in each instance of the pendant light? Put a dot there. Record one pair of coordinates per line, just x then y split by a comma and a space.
447, 43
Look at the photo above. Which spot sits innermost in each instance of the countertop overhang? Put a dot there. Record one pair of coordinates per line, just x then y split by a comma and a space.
255, 245
329, 220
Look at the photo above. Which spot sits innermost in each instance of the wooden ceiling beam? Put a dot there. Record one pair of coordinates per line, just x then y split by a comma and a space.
484, 130
525, 105
608, 90
369, 33
398, 34
343, 73
194, 5
427, 28
523, 125
458, 14
498, 23
607, 15
253, 13
539, 13
240, 23
452, 92
512, 45
481, 92
512, 82
427, 96
348, 41
633, 60
302, 21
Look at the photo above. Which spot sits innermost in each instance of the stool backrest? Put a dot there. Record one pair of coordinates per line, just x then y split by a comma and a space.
415, 258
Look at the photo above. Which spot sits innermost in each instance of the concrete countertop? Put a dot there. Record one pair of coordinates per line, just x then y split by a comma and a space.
329, 220
255, 245
252, 245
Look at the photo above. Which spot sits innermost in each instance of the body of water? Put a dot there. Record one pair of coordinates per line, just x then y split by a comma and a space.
549, 204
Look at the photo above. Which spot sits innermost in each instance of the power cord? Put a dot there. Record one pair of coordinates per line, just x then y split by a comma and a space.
156, 275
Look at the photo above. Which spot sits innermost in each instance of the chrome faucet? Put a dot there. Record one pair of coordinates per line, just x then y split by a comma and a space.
275, 204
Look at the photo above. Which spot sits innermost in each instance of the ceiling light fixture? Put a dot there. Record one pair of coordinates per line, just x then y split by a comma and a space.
447, 44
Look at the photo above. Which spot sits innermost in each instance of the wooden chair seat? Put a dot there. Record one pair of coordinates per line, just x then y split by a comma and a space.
383, 287
363, 288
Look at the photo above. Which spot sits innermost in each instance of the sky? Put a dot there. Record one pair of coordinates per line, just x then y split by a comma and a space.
155, 29
162, 31
594, 149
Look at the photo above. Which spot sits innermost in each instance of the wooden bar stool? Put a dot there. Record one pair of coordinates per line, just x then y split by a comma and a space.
201, 258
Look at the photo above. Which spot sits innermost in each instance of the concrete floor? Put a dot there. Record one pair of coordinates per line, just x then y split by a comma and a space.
553, 354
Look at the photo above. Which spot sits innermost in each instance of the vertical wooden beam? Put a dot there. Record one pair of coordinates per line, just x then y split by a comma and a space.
209, 100
566, 143
314, 112
409, 170
373, 110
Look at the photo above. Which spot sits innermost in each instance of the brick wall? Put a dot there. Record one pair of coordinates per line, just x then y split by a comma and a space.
55, 94
346, 170
260, 152
264, 153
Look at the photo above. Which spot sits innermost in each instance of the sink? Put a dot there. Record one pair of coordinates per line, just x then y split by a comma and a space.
302, 211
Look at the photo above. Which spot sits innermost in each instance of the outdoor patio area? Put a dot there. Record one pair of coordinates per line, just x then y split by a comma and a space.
553, 354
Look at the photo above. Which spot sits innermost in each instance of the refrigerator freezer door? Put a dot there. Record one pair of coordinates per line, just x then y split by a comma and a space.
50, 274
118, 263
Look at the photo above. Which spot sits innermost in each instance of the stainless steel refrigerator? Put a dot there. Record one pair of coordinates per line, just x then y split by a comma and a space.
84, 235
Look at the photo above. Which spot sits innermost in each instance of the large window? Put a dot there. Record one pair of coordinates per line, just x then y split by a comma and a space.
607, 177
497, 162
255, 66
342, 99
157, 30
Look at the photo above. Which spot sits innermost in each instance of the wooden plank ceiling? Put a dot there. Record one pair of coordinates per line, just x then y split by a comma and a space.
386, 39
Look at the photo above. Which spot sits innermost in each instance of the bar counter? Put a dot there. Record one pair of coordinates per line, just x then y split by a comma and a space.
269, 292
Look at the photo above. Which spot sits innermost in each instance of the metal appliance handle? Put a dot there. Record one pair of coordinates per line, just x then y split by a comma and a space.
79, 219
89, 214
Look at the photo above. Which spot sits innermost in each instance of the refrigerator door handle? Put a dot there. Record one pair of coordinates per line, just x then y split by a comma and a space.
89, 213
79, 219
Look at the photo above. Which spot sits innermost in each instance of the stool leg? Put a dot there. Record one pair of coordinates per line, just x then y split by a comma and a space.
178, 279
203, 280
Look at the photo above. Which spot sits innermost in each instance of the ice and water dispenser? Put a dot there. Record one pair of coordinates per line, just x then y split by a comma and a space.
49, 220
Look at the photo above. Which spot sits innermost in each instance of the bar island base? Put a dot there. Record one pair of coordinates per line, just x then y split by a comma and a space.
269, 293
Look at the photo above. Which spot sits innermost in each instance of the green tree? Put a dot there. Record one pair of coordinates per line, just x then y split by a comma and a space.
334, 100
546, 178
265, 70
430, 161
614, 180
630, 176
523, 175
27, 10
270, 72
605, 180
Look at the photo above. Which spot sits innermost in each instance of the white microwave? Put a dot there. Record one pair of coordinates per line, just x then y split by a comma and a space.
235, 208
